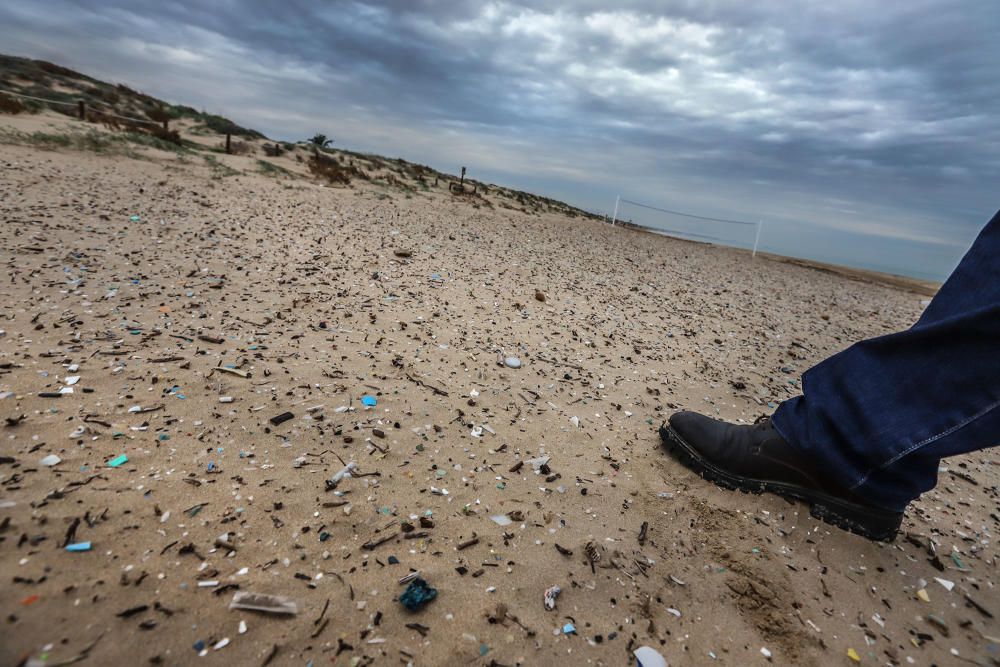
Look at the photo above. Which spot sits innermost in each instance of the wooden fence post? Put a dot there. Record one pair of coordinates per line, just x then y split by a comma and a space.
165, 128
228, 145
462, 180
81, 108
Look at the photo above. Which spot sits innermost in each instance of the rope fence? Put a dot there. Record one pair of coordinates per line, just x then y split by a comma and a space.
82, 106
82, 109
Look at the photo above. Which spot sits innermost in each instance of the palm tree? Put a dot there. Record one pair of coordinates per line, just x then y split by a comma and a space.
319, 141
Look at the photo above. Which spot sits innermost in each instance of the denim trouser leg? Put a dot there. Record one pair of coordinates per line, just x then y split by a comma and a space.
881, 414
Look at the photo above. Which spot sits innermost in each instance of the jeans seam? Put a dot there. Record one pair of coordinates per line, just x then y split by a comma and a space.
924, 442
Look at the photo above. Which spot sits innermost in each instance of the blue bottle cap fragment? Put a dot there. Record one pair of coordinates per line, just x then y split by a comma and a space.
569, 629
118, 460
369, 401
78, 546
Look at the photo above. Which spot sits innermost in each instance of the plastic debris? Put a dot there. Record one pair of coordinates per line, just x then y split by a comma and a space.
948, 585
342, 474
78, 546
117, 461
282, 418
569, 629
369, 401
50, 460
269, 604
417, 594
551, 594
646, 656
853, 655
501, 519
512, 362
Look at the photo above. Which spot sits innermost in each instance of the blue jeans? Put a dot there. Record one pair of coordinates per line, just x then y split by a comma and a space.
880, 415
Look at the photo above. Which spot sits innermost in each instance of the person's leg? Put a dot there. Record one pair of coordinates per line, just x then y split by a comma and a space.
880, 415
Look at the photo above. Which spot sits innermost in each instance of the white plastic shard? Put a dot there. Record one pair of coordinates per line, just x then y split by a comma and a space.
649, 657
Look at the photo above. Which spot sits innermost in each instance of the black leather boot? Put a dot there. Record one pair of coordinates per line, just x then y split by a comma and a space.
756, 458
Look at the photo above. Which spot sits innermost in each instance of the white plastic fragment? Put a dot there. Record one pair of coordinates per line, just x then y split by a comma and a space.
649, 657
342, 474
512, 362
501, 519
550, 597
537, 462
272, 604
948, 585
72, 379
51, 460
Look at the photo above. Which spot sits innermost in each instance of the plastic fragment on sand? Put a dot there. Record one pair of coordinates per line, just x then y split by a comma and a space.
501, 519
948, 585
51, 460
417, 594
550, 597
853, 655
269, 604
233, 371
370, 401
222, 643
243, 627
78, 546
569, 629
117, 461
342, 474
922, 594
72, 379
512, 362
649, 657
282, 418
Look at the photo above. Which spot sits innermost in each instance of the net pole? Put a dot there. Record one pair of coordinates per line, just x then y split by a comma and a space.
615, 216
756, 239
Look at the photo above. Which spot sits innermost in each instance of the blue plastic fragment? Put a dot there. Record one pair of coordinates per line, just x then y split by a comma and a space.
369, 401
118, 460
199, 646
78, 546
211, 466
417, 594
569, 629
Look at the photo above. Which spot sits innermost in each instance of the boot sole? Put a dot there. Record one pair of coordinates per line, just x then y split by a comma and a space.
870, 522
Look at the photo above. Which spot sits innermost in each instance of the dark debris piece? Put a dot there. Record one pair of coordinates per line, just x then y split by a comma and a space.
417, 594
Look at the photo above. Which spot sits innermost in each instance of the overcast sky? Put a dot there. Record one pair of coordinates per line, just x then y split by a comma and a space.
860, 132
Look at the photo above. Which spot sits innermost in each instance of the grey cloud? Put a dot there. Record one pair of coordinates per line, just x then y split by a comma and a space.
764, 109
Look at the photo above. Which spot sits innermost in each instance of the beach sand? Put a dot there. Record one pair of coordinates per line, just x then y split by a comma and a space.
149, 273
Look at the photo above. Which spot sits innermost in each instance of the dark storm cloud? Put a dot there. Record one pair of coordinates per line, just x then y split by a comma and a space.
863, 118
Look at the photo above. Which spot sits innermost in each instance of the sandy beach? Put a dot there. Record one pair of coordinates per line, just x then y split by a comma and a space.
192, 348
